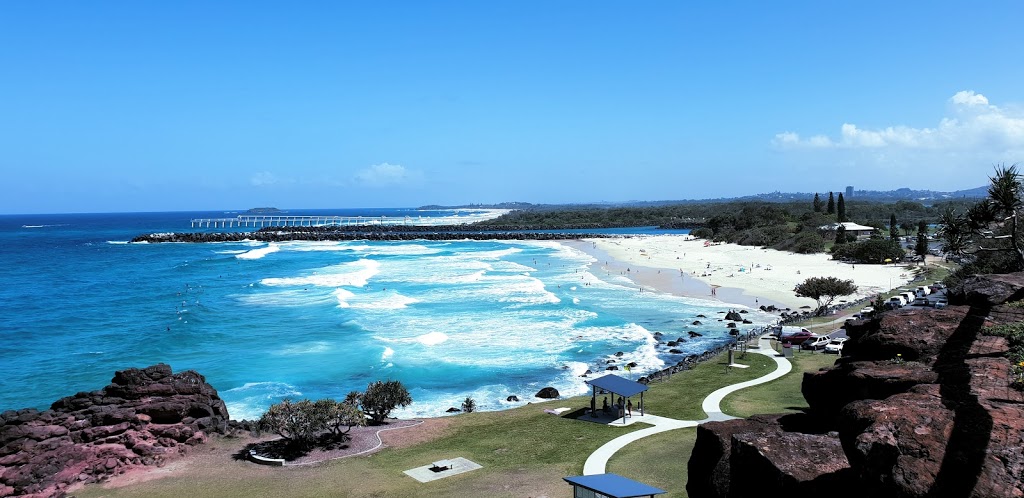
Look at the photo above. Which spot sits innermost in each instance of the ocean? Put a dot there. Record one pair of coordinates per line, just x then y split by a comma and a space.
266, 321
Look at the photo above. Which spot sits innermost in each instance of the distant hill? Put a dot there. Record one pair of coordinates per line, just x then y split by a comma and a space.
901, 194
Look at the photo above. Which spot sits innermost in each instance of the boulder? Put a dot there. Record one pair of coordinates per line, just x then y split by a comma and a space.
516, 398
733, 316
986, 291
548, 393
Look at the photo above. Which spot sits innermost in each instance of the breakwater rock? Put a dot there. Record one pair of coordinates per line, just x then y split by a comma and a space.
144, 417
372, 232
921, 404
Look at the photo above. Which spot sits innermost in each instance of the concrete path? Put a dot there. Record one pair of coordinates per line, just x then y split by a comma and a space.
598, 460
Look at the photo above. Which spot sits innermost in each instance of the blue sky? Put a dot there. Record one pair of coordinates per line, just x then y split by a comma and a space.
166, 106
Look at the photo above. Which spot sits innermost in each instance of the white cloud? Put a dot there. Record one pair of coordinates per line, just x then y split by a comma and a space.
968, 97
974, 125
380, 175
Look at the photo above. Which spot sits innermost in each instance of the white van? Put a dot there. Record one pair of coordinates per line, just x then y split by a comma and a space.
898, 301
923, 291
908, 296
788, 330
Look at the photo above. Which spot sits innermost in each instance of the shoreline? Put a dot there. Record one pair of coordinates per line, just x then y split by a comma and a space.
665, 279
729, 273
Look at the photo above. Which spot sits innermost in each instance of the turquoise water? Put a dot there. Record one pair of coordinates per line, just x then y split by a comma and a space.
318, 319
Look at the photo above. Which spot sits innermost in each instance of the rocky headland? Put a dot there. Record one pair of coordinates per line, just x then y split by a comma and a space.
920, 405
144, 417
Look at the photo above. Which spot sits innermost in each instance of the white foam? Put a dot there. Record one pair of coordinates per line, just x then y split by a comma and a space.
388, 353
432, 338
117, 242
249, 401
304, 348
382, 300
352, 274
259, 252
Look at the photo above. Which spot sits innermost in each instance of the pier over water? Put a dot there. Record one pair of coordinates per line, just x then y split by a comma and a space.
260, 221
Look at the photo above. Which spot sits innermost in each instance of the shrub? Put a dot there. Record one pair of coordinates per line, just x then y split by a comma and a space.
469, 405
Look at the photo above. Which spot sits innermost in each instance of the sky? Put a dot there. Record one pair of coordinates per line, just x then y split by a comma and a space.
180, 106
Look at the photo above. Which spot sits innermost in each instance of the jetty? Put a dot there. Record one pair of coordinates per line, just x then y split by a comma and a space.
260, 221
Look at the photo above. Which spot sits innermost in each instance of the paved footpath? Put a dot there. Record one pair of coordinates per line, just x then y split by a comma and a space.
598, 460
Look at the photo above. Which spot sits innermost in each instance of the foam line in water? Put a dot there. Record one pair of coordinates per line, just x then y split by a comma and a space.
352, 274
259, 252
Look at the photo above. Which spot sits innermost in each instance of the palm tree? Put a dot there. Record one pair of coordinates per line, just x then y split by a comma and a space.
1005, 199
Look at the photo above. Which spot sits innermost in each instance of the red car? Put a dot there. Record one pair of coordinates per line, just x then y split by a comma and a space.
796, 338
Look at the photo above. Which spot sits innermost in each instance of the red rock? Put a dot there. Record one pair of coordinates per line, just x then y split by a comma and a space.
101, 433
941, 421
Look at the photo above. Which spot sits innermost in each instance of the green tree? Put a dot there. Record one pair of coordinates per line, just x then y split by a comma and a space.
841, 209
870, 251
831, 204
338, 417
907, 227
824, 290
296, 422
921, 248
1005, 198
841, 234
380, 398
894, 234
954, 230
469, 405
991, 225
817, 203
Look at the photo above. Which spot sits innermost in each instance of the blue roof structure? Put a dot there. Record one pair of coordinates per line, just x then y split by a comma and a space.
618, 385
614, 485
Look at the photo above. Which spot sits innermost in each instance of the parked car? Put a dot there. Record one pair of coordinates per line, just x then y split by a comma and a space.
921, 301
909, 296
836, 345
815, 343
941, 303
923, 291
897, 301
797, 338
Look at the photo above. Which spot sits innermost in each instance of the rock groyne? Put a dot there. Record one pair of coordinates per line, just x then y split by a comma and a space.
365, 232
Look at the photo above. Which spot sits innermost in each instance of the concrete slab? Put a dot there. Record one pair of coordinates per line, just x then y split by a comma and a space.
451, 466
613, 420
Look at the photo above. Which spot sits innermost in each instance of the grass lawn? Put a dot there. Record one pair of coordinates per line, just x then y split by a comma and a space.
524, 451
782, 395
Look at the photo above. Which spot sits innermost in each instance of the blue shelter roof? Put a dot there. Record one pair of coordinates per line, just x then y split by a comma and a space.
618, 385
614, 485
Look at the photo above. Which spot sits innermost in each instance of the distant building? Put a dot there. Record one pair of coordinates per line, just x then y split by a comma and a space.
851, 229
849, 191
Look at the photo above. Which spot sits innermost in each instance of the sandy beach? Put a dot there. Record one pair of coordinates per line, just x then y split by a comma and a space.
747, 275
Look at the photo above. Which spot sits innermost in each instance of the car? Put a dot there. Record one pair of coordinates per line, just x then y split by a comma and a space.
921, 301
836, 345
797, 338
941, 303
922, 291
897, 301
815, 343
